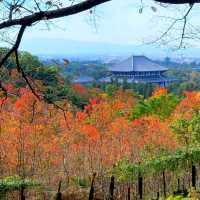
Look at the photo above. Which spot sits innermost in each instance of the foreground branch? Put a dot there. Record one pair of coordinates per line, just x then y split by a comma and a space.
53, 14
15, 46
179, 1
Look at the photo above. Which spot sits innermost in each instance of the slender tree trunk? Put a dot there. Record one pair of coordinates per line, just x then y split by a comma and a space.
112, 187
59, 194
140, 186
183, 185
22, 196
129, 193
91, 195
194, 176
158, 195
164, 185
178, 188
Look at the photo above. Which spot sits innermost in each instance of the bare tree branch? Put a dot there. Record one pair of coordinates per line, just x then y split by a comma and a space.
184, 25
15, 46
178, 1
53, 14
182, 36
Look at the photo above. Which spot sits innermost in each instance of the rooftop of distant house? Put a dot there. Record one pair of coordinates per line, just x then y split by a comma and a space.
137, 64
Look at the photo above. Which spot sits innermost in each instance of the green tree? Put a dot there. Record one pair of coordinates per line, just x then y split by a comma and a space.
188, 130
111, 89
161, 106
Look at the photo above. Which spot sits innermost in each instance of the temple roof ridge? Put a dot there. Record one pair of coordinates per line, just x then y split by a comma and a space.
137, 63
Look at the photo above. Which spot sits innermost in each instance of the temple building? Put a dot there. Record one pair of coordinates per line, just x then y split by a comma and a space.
138, 69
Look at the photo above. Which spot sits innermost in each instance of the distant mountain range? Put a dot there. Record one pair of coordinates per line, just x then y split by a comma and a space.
59, 48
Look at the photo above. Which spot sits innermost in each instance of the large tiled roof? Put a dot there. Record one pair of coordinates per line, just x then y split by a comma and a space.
137, 64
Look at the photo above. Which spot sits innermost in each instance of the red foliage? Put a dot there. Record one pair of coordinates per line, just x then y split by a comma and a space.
79, 88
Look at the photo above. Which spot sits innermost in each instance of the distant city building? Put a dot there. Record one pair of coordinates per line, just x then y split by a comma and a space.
138, 69
196, 68
83, 80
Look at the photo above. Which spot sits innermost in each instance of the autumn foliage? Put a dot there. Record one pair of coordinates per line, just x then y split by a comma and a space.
40, 141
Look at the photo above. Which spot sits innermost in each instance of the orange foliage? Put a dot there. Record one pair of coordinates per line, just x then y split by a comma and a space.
159, 91
154, 134
90, 132
188, 104
37, 139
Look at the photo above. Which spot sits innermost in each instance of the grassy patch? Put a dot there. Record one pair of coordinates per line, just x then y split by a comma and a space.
13, 183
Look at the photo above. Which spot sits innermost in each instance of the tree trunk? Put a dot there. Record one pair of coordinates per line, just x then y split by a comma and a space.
140, 186
59, 194
112, 187
178, 188
194, 176
129, 193
164, 185
22, 196
158, 196
91, 195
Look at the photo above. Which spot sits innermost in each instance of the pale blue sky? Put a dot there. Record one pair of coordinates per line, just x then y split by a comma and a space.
118, 22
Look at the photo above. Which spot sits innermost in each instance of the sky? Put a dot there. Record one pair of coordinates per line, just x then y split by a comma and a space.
117, 22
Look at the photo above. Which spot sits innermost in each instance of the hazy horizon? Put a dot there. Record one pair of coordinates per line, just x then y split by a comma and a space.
96, 50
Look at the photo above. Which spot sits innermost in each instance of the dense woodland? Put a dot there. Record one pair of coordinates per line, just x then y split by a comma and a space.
111, 129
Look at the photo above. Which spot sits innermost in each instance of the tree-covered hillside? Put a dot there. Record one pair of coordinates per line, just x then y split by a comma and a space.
130, 131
